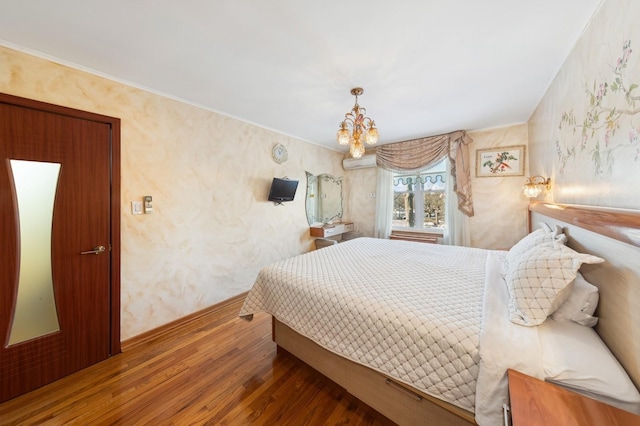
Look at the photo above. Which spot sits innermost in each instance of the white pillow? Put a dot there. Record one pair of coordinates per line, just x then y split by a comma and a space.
580, 305
539, 236
540, 279
575, 357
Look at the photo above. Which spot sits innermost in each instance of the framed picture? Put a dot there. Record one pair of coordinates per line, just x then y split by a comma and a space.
500, 161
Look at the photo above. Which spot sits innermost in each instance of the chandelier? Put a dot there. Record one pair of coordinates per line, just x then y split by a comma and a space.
360, 126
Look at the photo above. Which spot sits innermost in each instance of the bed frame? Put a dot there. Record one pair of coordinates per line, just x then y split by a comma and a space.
611, 234
614, 235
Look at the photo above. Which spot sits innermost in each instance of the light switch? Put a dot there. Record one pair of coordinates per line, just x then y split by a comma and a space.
136, 207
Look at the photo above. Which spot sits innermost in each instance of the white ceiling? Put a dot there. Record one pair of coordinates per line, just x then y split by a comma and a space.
427, 66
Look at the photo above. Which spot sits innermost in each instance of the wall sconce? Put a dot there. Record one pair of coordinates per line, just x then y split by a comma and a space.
535, 185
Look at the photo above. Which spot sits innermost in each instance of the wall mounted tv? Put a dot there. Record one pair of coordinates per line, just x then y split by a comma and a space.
282, 190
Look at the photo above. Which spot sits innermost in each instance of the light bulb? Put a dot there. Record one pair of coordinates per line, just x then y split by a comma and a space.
531, 190
372, 135
343, 135
357, 149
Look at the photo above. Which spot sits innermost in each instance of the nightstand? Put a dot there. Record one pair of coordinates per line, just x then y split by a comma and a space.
536, 402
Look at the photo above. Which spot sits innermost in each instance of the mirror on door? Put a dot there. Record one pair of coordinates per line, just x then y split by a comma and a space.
324, 198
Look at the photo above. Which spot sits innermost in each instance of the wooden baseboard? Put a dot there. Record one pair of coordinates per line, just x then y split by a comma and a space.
180, 322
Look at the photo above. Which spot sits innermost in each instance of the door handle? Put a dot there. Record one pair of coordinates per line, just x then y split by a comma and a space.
96, 250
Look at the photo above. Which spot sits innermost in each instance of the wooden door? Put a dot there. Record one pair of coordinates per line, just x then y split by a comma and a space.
74, 291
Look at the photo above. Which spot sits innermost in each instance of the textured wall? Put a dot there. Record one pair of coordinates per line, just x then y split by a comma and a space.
212, 229
362, 207
500, 218
585, 133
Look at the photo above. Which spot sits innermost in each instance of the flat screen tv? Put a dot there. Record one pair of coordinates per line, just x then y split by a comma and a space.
282, 190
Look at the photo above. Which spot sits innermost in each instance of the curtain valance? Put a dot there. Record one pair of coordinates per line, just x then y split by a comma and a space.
420, 153
427, 180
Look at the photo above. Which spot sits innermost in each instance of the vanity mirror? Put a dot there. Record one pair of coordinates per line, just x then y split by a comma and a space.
324, 198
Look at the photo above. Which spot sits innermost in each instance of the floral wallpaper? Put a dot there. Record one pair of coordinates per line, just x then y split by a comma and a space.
611, 106
585, 133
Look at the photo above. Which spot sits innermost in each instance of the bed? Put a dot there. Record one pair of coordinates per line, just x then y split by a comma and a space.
417, 331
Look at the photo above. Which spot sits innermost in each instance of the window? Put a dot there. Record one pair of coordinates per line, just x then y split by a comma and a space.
419, 199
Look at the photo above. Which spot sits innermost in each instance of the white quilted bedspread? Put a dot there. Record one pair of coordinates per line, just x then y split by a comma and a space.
412, 311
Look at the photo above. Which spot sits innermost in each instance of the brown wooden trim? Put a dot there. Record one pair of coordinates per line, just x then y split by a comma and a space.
619, 224
114, 346
180, 322
58, 109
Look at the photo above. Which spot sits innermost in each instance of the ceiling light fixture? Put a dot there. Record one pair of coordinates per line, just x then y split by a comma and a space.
360, 124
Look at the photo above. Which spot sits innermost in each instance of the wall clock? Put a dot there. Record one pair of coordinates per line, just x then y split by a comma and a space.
279, 153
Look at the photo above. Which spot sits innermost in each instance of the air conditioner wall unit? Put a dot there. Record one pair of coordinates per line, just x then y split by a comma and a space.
363, 162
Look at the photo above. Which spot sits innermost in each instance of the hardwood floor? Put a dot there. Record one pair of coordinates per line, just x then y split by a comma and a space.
215, 370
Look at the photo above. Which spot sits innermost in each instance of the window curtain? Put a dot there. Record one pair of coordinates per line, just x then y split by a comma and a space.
457, 232
419, 154
384, 203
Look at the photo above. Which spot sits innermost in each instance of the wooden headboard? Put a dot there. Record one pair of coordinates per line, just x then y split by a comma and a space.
613, 235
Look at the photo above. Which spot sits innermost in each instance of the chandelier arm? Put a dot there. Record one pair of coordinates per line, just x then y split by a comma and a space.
349, 119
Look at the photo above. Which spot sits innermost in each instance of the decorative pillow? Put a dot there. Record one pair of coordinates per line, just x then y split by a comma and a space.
580, 305
545, 227
539, 236
558, 234
540, 280
575, 357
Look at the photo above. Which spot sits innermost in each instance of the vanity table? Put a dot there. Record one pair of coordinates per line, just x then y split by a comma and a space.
323, 231
324, 206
